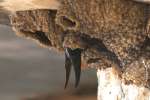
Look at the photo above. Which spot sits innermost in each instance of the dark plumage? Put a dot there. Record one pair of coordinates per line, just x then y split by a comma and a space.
68, 65
73, 58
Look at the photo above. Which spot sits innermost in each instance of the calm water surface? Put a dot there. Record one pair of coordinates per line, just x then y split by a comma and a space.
30, 71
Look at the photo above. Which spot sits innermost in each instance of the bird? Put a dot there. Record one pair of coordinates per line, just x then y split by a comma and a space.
73, 58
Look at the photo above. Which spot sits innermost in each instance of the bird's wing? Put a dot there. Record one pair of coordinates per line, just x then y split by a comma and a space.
76, 62
68, 65
74, 59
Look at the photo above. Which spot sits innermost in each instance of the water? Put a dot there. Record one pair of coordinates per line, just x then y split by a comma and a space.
30, 71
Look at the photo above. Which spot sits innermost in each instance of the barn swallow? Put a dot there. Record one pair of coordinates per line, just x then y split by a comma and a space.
68, 65
73, 58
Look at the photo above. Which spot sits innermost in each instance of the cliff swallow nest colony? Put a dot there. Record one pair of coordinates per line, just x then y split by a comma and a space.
112, 33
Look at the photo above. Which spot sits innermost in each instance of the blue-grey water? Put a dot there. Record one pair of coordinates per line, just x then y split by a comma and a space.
29, 71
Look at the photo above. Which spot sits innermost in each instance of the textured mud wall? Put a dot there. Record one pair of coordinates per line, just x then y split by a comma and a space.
113, 33
38, 25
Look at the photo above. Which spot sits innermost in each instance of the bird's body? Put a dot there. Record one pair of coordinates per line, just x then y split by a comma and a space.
73, 59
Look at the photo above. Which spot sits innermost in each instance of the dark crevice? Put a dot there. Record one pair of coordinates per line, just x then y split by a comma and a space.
67, 22
99, 46
145, 49
93, 60
146, 44
136, 52
42, 37
38, 35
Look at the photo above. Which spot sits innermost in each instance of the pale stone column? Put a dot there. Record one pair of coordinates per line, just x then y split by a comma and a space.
111, 87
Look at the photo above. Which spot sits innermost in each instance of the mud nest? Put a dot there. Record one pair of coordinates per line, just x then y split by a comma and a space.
113, 33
